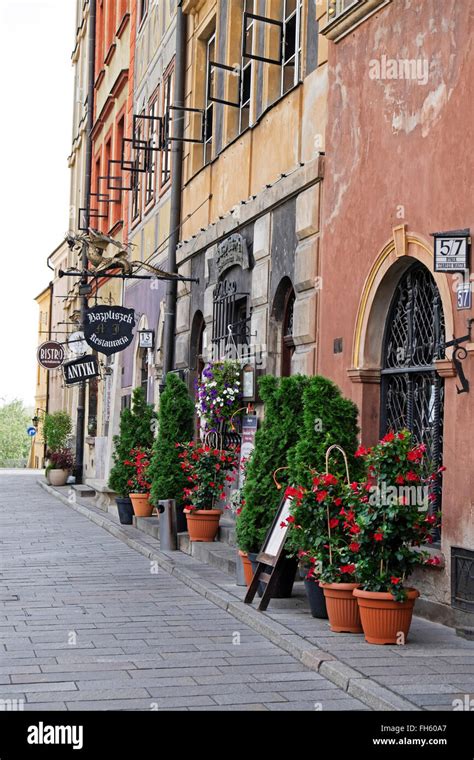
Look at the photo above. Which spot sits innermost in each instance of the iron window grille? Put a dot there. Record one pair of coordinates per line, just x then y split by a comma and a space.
462, 579
412, 391
230, 323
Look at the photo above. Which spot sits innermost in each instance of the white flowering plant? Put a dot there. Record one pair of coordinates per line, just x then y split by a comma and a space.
218, 393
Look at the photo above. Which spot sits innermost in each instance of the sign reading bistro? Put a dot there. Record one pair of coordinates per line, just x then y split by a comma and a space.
109, 329
50, 354
84, 368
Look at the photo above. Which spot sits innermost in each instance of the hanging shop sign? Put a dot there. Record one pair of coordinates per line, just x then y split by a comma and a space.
247, 445
50, 354
452, 251
109, 329
84, 368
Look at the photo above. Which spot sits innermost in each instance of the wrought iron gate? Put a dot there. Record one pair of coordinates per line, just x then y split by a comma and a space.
412, 391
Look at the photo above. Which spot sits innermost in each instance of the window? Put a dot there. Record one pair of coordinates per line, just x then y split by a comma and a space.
136, 180
144, 371
105, 207
110, 25
166, 153
117, 195
288, 341
247, 66
143, 9
209, 108
344, 15
291, 64
153, 141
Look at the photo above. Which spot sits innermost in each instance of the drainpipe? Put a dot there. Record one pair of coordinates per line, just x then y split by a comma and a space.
81, 403
176, 189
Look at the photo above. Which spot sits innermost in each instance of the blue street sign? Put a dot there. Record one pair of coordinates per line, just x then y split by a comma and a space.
31, 431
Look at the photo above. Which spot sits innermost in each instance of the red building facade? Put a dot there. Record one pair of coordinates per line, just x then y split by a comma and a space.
399, 168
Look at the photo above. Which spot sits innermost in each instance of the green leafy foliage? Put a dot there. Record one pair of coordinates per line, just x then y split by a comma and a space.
137, 429
208, 470
328, 419
278, 434
176, 426
14, 441
393, 516
57, 428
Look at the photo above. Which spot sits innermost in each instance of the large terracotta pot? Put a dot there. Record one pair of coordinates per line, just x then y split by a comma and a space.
141, 504
203, 524
342, 608
384, 620
247, 565
58, 477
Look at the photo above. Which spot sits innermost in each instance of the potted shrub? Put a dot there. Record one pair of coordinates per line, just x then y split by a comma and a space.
394, 522
59, 466
322, 526
139, 482
137, 430
208, 471
278, 433
175, 425
57, 428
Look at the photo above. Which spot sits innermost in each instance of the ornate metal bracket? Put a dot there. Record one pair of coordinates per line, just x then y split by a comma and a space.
459, 354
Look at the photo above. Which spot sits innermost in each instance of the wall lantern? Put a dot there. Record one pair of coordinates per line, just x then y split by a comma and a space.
146, 338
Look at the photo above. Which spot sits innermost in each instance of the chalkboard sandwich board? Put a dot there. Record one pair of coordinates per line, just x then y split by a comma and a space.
271, 555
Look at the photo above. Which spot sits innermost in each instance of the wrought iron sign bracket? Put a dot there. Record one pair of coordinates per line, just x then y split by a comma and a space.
105, 273
459, 354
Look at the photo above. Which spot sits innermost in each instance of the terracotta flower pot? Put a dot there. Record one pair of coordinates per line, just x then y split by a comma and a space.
203, 524
384, 620
342, 608
141, 504
247, 565
58, 477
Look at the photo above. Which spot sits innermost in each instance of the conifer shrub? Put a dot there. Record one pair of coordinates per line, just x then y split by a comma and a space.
277, 435
137, 431
175, 427
328, 418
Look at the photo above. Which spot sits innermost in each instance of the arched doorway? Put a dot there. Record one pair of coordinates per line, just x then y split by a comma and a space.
412, 392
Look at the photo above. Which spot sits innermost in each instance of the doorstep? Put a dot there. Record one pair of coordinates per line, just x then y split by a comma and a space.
432, 671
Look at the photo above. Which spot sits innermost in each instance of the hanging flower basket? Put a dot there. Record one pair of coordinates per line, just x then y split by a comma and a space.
219, 394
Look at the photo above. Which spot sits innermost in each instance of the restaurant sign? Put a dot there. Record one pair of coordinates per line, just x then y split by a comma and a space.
109, 329
50, 354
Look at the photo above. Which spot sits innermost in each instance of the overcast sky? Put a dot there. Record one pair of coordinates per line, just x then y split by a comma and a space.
36, 78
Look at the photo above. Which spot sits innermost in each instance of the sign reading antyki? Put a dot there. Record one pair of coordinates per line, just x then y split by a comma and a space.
84, 368
109, 329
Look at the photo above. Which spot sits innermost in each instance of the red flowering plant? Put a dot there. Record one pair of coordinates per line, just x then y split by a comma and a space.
323, 532
395, 515
138, 464
209, 471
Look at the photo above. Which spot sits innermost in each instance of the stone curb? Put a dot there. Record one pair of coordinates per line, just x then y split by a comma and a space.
349, 679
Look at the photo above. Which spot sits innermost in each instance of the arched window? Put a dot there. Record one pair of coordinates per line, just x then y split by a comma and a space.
288, 343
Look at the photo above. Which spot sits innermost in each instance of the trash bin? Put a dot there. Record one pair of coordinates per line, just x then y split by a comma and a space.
168, 528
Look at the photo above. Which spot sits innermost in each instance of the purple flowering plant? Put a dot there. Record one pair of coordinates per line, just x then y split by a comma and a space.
218, 393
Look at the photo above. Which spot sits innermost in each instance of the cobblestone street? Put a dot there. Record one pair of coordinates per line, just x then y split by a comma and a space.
86, 623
